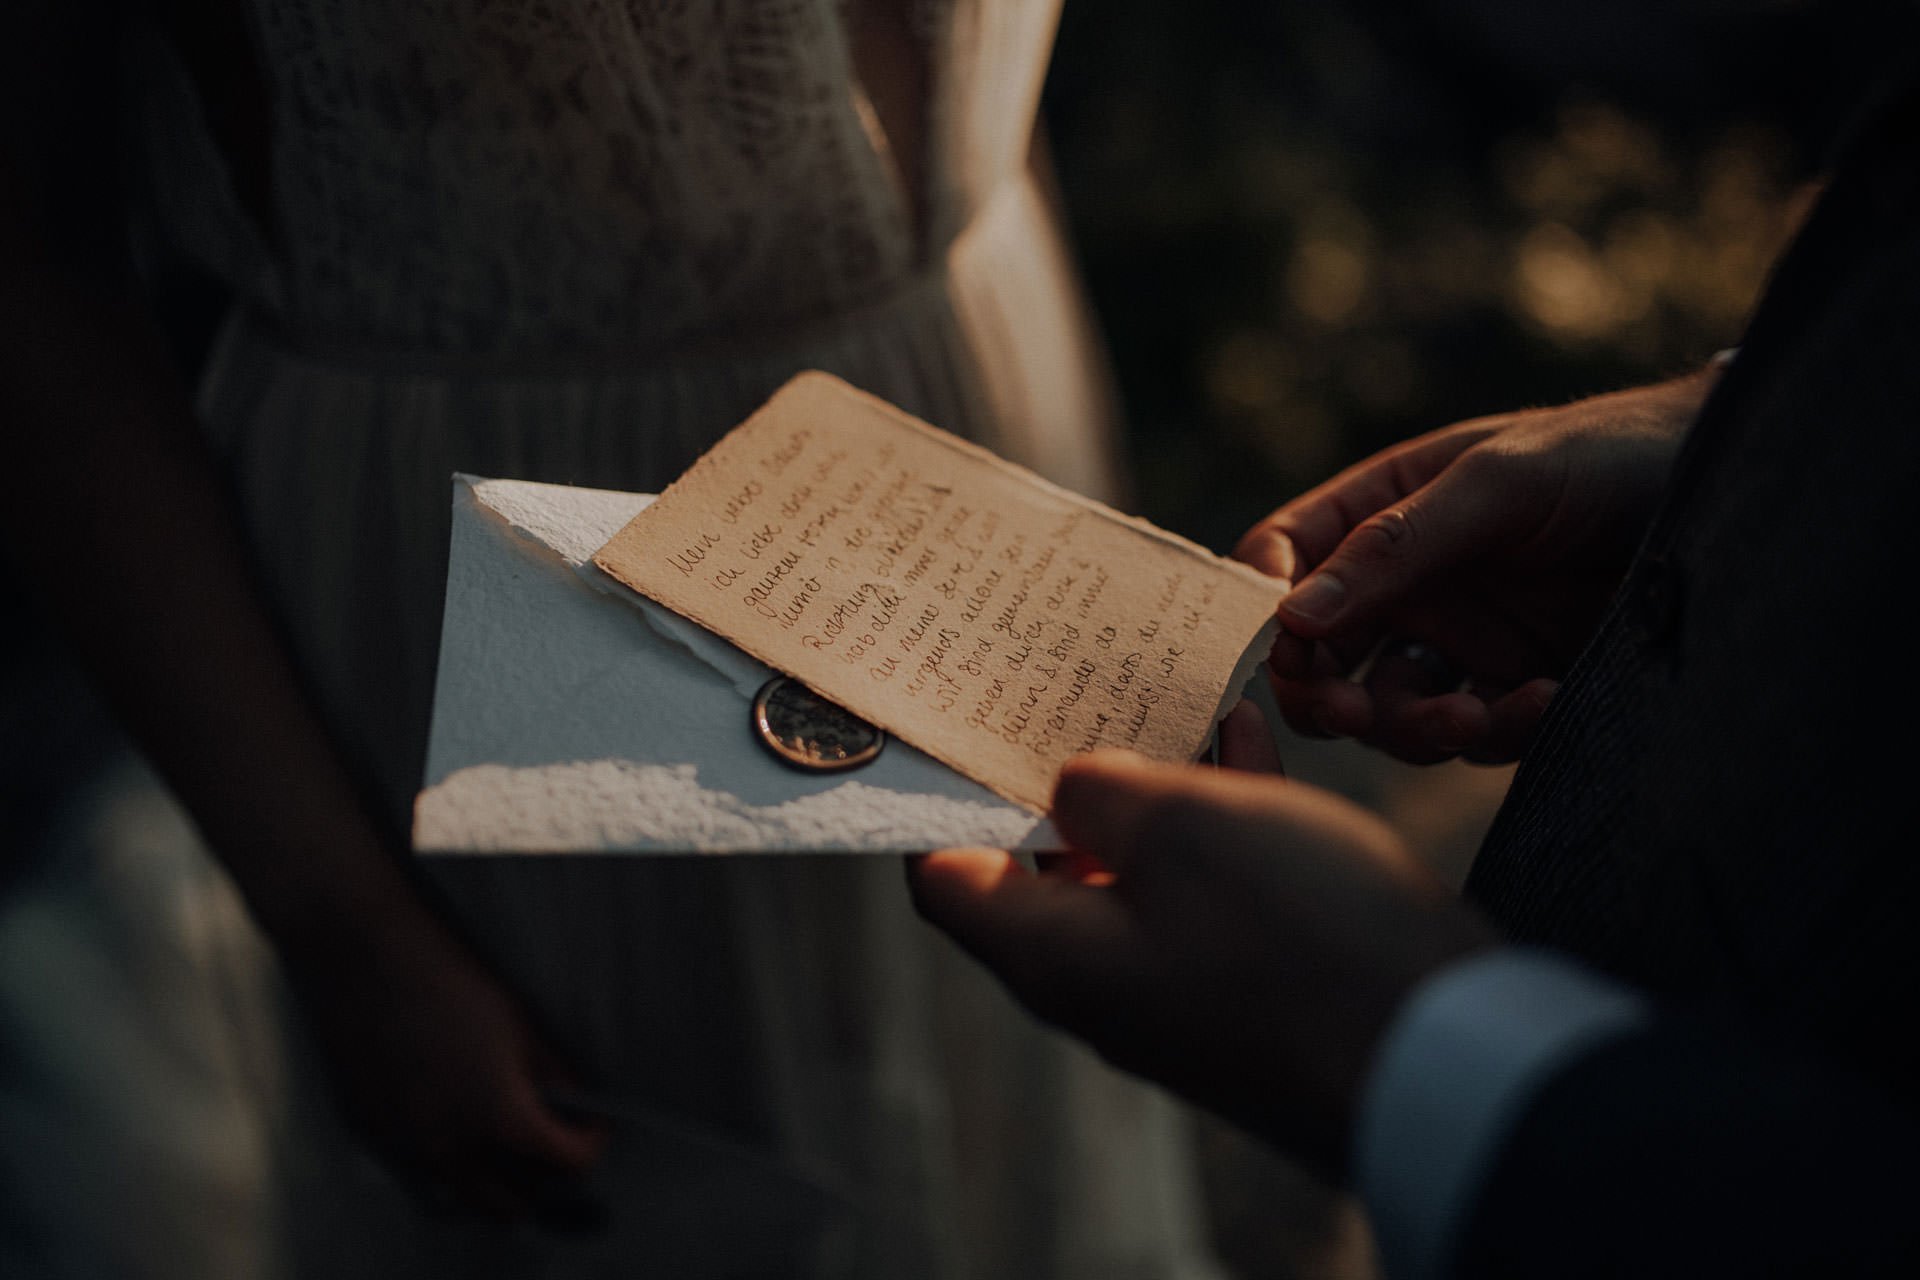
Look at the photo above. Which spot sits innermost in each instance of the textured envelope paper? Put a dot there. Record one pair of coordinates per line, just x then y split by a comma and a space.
993, 620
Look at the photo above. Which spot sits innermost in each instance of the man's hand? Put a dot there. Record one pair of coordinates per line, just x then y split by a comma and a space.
1247, 948
1471, 564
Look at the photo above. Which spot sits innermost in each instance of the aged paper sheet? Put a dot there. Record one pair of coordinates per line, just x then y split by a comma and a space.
995, 621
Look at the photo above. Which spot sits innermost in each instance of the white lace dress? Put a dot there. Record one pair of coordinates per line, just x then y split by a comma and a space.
575, 241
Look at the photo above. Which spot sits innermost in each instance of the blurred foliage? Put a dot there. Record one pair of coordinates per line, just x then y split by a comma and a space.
1311, 230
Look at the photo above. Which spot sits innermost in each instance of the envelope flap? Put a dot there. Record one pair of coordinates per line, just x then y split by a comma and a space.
572, 716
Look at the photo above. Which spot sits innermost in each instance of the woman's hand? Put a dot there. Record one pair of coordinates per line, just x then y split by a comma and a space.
440, 1068
1470, 565
153, 586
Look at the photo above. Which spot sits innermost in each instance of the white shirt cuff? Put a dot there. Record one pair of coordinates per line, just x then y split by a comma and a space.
1457, 1067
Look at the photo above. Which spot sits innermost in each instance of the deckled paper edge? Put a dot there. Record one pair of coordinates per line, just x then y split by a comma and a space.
946, 439
1257, 652
654, 616
1037, 836
712, 828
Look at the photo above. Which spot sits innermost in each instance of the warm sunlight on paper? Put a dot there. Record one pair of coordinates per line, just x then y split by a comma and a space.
995, 621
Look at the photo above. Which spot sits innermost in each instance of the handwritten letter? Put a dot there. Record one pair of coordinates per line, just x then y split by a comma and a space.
995, 621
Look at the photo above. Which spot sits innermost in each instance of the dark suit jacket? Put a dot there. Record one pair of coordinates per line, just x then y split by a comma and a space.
1723, 807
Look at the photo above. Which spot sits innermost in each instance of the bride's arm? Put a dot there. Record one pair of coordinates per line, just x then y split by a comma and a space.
117, 516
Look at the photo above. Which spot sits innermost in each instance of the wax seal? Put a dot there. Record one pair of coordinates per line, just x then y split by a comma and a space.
806, 731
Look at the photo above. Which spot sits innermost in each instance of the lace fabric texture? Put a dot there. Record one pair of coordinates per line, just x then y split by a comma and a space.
576, 241
569, 175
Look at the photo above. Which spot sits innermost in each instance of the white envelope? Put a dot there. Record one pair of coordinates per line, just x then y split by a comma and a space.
572, 715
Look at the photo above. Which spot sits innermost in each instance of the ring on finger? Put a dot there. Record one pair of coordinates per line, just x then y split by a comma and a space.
1440, 673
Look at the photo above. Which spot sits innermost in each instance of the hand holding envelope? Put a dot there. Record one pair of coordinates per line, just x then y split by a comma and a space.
994, 624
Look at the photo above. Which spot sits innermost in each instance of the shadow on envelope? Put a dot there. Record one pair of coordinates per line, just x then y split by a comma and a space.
573, 716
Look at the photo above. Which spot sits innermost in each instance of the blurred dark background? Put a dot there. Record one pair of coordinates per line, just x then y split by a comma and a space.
1312, 229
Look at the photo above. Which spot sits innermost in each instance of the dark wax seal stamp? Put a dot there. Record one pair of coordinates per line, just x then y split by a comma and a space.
806, 731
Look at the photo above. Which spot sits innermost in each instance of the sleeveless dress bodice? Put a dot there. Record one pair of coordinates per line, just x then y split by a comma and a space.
575, 241
608, 176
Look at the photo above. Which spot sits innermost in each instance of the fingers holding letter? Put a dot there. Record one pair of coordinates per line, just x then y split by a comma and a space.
1255, 938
